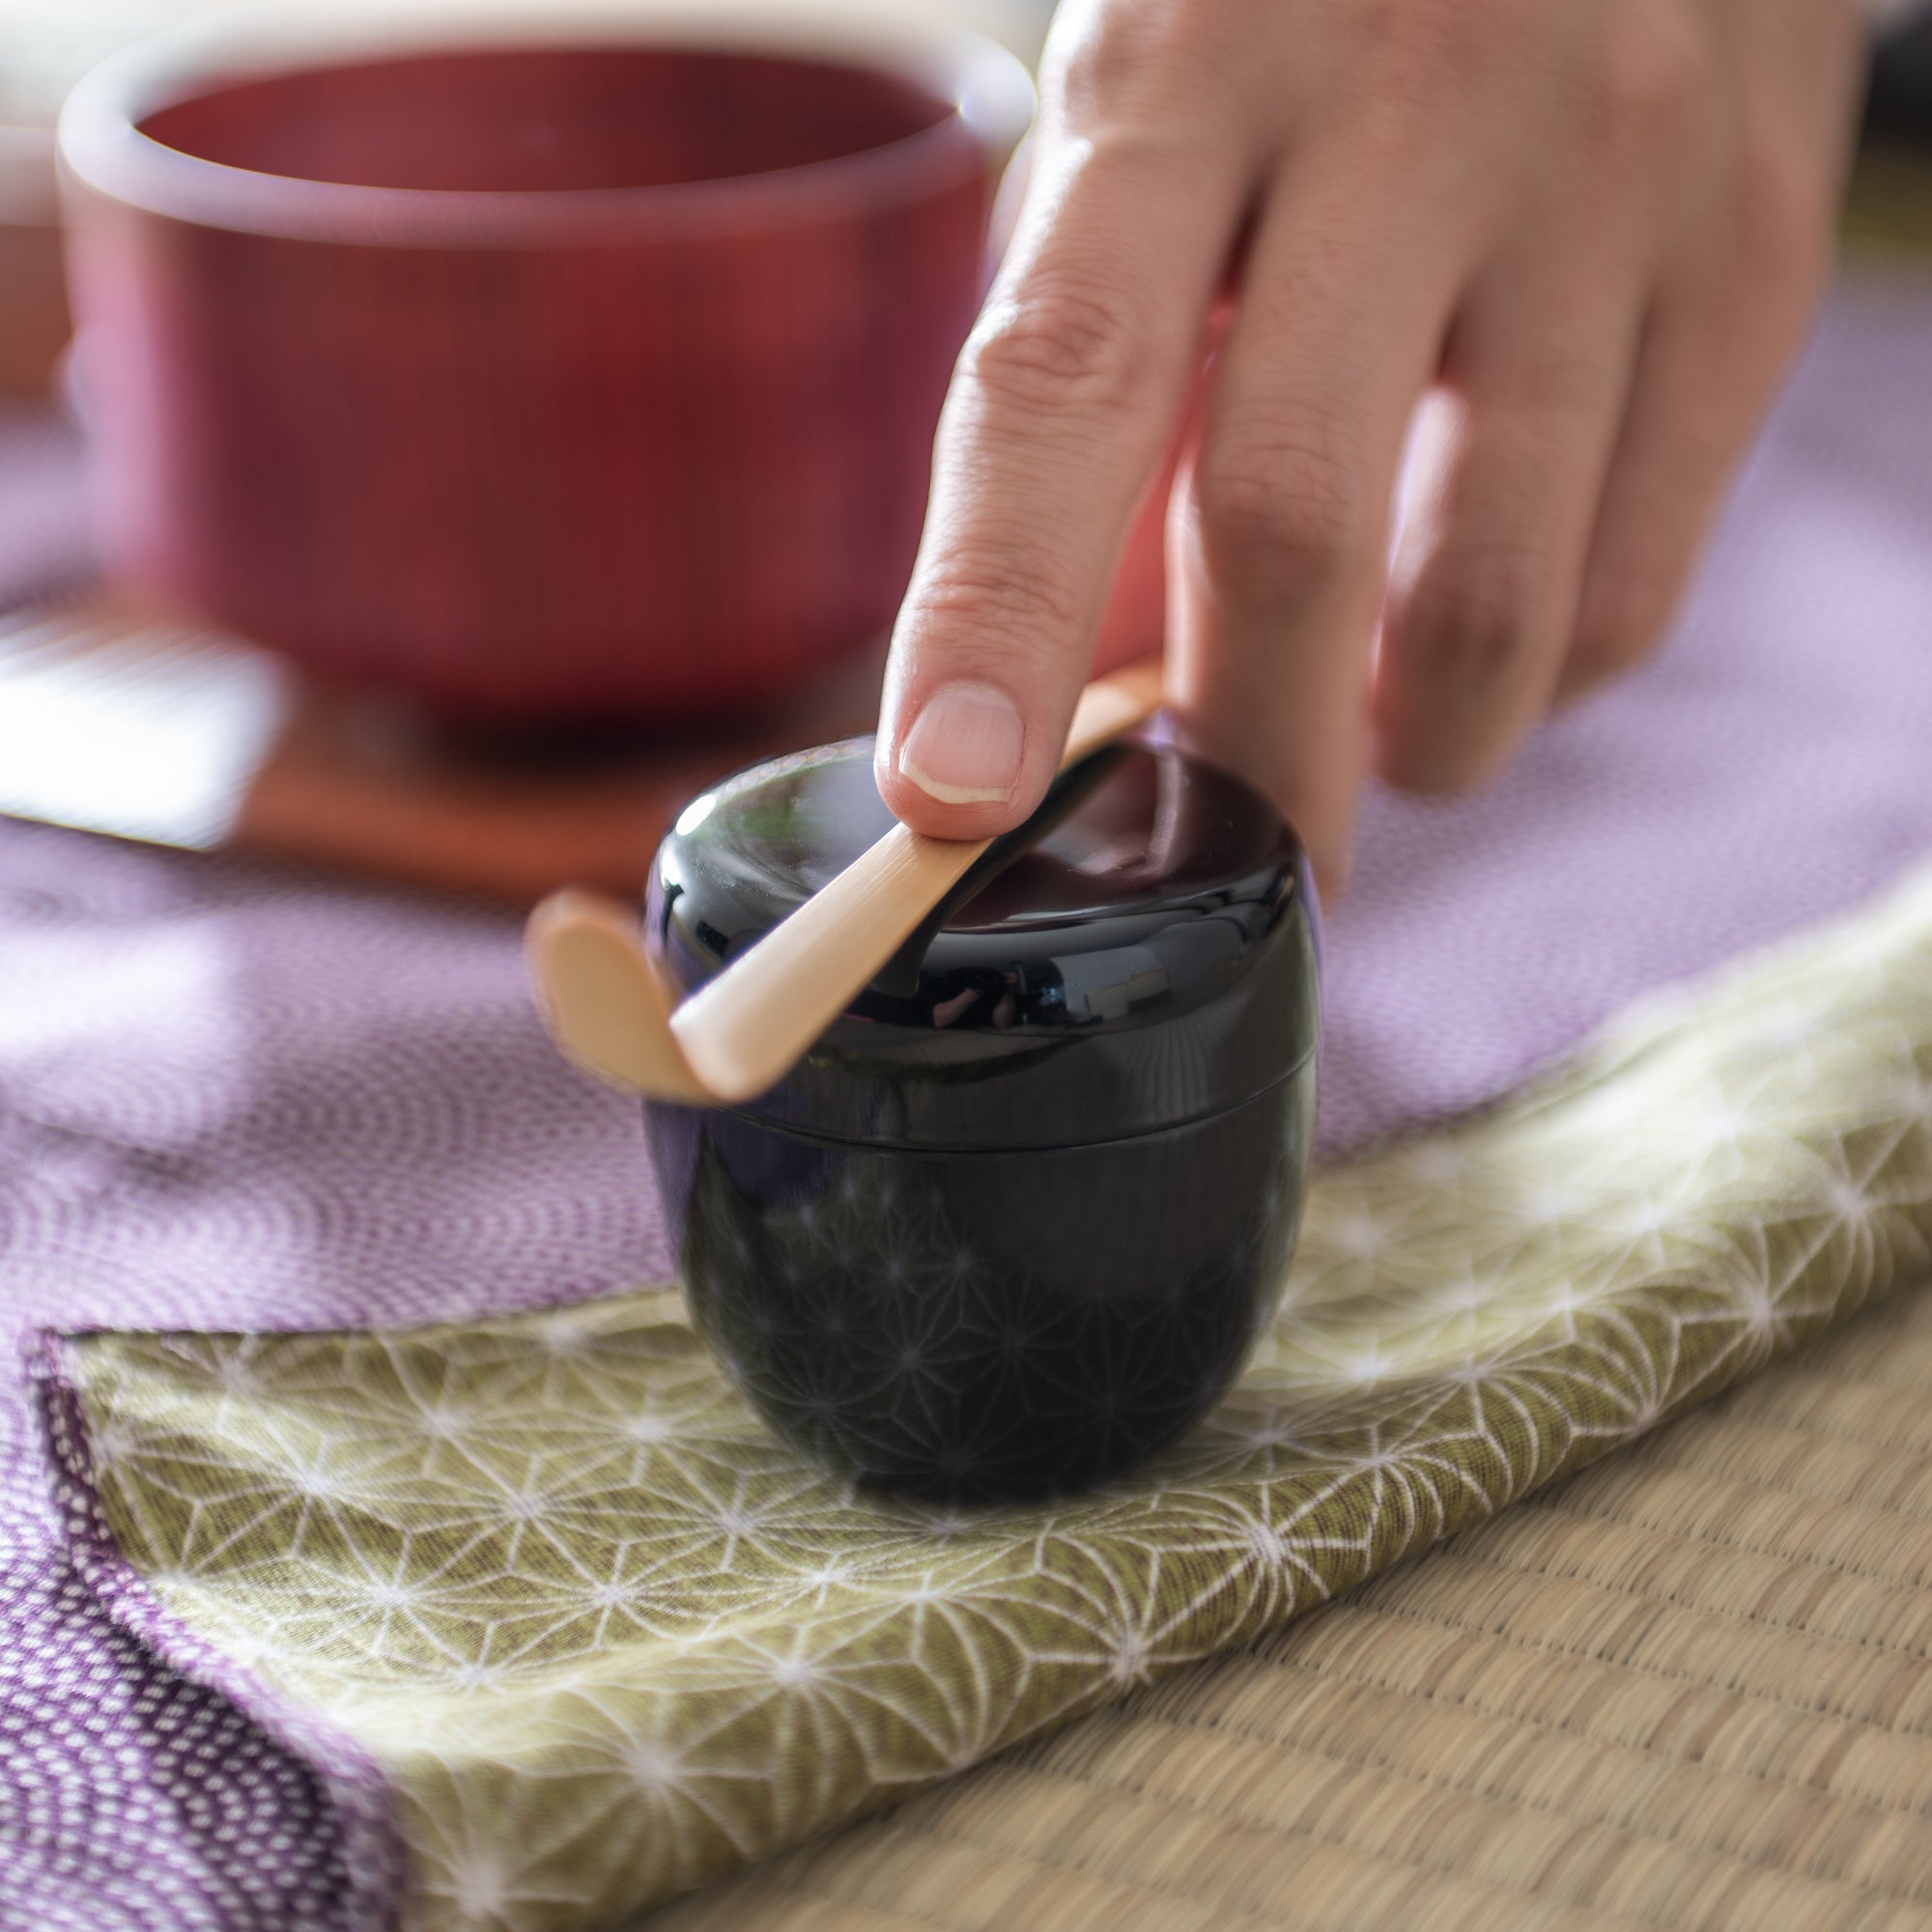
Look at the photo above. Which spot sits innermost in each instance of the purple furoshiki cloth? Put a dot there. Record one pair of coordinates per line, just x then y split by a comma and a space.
234, 1095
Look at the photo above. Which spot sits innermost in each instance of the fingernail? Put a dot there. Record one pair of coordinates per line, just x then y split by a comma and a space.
965, 746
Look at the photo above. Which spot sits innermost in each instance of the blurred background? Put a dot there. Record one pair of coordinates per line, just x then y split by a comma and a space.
200, 740
47, 45
153, 731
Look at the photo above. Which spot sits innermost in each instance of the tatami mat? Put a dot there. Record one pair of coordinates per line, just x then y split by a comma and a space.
1691, 1688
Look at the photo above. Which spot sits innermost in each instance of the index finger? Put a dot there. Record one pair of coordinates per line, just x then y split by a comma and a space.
1060, 410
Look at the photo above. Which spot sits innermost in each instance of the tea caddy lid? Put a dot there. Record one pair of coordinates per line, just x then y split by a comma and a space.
1140, 954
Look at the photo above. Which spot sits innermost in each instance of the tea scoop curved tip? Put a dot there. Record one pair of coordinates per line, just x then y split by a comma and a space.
610, 1014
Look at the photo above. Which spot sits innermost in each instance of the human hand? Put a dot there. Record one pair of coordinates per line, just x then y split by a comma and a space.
1599, 227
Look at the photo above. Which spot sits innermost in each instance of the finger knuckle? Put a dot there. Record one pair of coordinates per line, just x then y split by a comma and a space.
1780, 220
1128, 61
1654, 80
1060, 348
1423, 45
999, 604
1477, 618
1280, 518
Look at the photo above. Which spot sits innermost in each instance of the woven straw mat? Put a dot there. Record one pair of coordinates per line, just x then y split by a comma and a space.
1690, 1687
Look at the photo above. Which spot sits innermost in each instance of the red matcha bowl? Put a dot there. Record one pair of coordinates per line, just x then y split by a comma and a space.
544, 364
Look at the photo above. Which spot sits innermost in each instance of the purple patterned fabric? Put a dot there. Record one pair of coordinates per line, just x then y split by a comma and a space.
232, 1095
342, 1863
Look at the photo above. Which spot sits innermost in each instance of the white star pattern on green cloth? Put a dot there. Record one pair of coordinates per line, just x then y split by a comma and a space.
607, 1638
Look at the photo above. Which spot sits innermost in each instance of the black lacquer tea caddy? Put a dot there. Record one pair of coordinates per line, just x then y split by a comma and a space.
1019, 1217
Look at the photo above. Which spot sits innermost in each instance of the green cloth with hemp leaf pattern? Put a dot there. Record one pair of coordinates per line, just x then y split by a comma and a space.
605, 1637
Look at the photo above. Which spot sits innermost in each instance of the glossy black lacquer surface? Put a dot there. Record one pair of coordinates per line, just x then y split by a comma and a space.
1020, 1217
1139, 954
987, 1327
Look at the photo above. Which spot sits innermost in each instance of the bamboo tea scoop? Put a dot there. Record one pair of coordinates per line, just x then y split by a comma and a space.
610, 1014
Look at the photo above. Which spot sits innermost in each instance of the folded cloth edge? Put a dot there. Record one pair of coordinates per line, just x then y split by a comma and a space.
373, 1853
